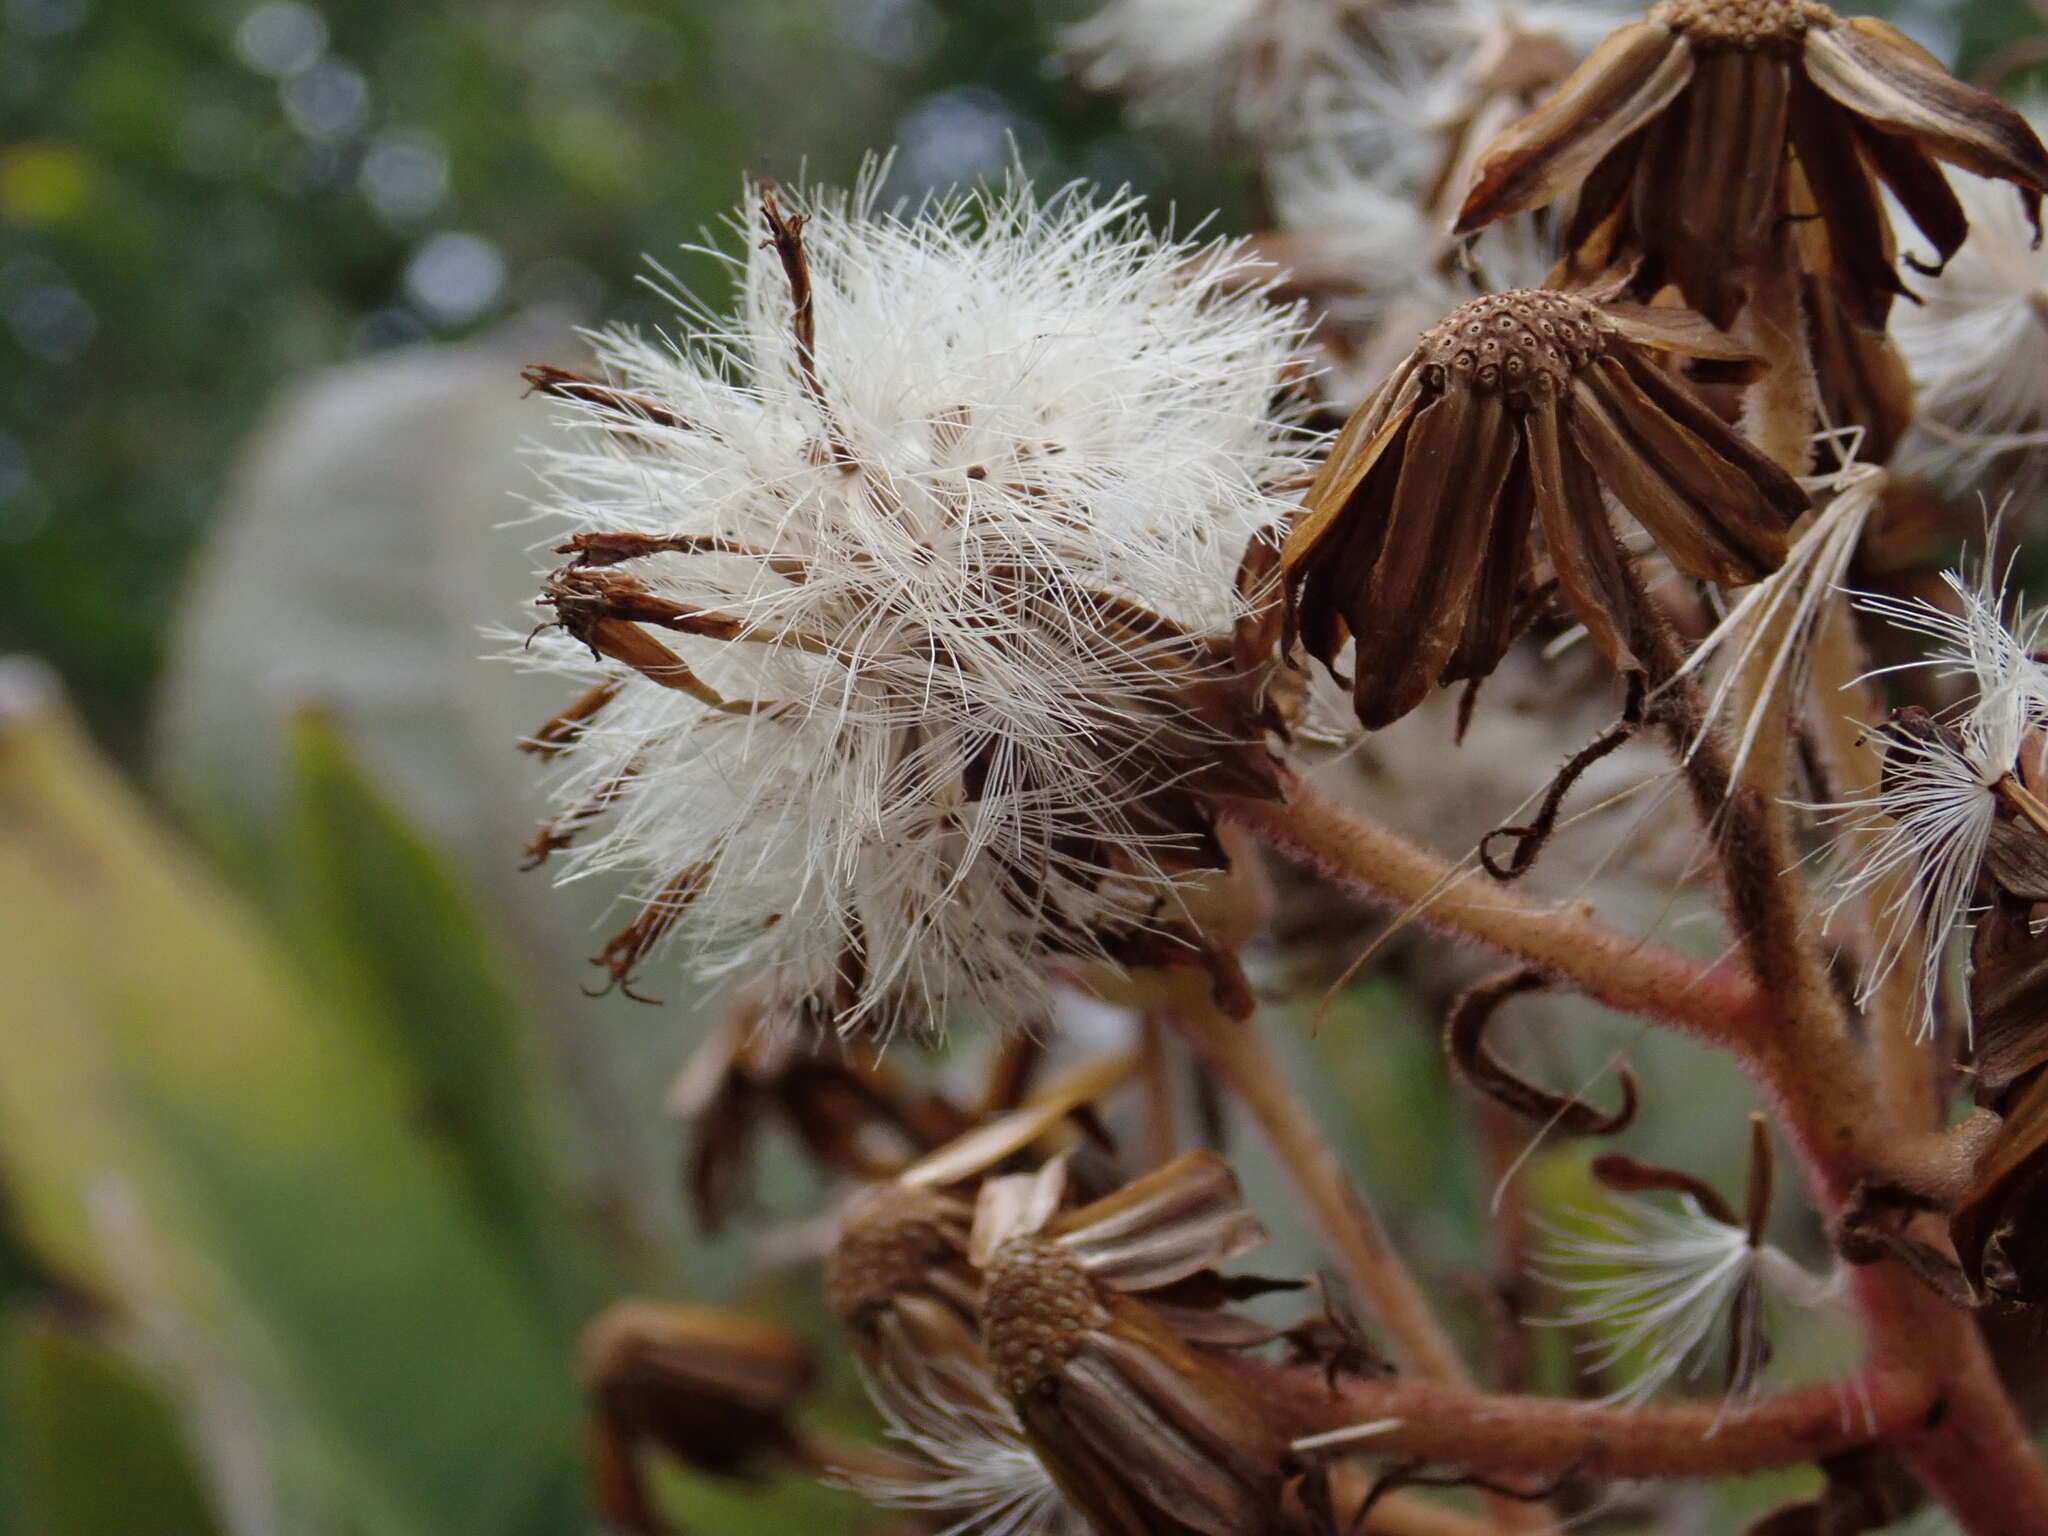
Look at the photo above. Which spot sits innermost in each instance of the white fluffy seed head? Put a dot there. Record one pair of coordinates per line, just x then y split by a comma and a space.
977, 555
1259, 69
1921, 836
1977, 345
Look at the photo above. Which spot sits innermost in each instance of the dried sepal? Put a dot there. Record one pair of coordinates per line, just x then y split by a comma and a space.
2000, 1228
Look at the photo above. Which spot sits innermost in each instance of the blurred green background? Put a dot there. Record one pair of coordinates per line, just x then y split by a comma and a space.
313, 1156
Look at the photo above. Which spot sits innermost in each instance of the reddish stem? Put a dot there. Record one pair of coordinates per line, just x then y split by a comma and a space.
1718, 1003
1509, 1433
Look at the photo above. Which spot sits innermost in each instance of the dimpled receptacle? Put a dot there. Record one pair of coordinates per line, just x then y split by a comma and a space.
1745, 25
1525, 343
1036, 1304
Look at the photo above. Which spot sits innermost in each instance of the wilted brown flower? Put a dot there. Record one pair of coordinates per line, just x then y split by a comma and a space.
898, 1273
1514, 412
713, 1389
1097, 1323
1674, 136
852, 1114
900, 1277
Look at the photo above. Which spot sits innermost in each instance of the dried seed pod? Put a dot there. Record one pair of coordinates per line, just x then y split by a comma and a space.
1099, 1328
712, 1389
1512, 415
1682, 133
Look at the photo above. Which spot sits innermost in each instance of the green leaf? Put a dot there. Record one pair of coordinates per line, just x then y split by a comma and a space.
299, 1221
93, 1449
398, 941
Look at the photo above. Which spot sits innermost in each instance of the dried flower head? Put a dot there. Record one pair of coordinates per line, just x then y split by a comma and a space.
850, 1112
713, 1389
1512, 414
1244, 67
911, 592
900, 1278
1674, 136
1097, 1322
898, 1273
1947, 782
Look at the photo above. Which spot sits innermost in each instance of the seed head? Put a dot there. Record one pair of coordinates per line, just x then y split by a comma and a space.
891, 1239
1923, 833
1525, 343
1037, 1303
908, 595
1745, 25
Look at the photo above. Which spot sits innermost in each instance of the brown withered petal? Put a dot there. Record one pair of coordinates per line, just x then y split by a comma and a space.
713, 1389
980, 1148
1163, 1227
1898, 88
1703, 243
1830, 178
1515, 410
1862, 379
1622, 86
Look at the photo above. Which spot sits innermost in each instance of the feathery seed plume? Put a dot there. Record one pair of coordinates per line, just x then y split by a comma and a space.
905, 599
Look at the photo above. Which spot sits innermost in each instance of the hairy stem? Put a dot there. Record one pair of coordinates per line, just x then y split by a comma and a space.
1970, 1451
1155, 1085
1716, 1003
1237, 1053
1493, 1432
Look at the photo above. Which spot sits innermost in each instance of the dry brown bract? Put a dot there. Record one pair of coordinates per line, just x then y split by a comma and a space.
1675, 132
1515, 411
